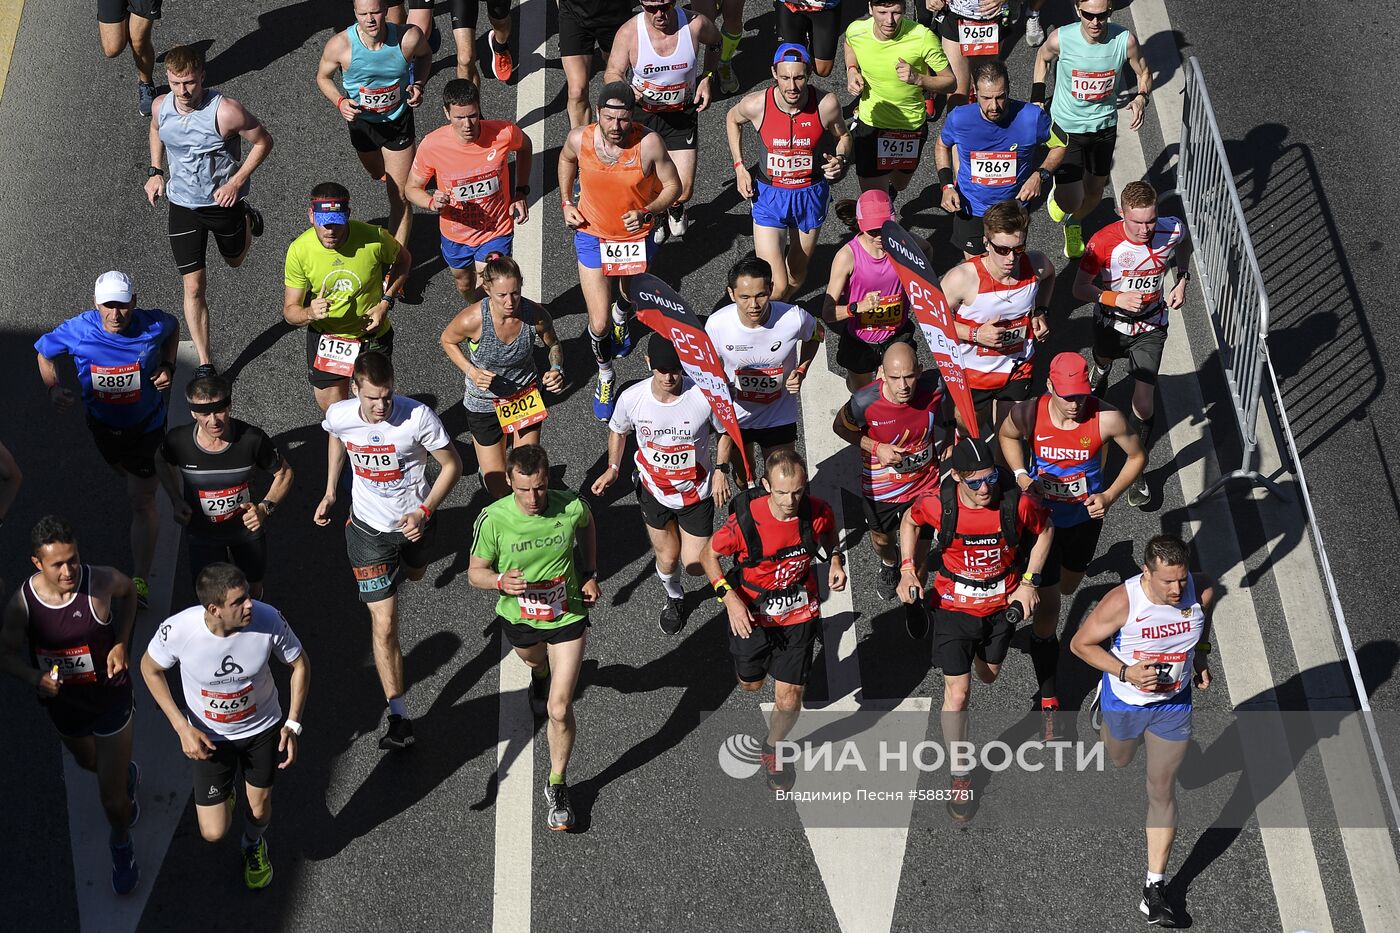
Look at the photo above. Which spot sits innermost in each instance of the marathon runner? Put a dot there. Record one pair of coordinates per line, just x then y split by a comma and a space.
811, 24
206, 469
994, 143
1089, 57
730, 37
464, 19
125, 359
502, 393
1130, 312
985, 533
129, 22
200, 134
627, 179
969, 29
476, 204
804, 147
77, 621
771, 596
1067, 431
1001, 306
376, 97
585, 27
523, 546
1159, 623
657, 49
890, 63
333, 284
676, 490
388, 439
902, 425
766, 347
865, 300
235, 715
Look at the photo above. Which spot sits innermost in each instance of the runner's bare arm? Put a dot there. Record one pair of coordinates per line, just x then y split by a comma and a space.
707, 34
333, 58
155, 185
301, 686
567, 173
232, 118
451, 463
741, 113
465, 326
1084, 287
617, 449
1010, 437
13, 658
115, 588
335, 462
588, 554
654, 155
524, 161
282, 479
544, 326
417, 193
1138, 105
1049, 51
398, 272
909, 582
1106, 619
295, 311
620, 59
1113, 424
833, 309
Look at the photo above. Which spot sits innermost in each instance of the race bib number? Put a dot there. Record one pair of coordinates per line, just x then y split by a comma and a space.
671, 461
378, 463
1091, 85
75, 665
888, 313
979, 37
476, 189
117, 385
758, 384
623, 257
228, 707
543, 602
966, 592
1013, 339
787, 608
521, 410
336, 355
993, 169
897, 150
788, 166
1072, 488
914, 461
663, 96
1171, 669
380, 99
220, 505
1146, 284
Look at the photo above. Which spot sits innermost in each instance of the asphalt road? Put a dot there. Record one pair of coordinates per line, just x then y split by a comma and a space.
362, 840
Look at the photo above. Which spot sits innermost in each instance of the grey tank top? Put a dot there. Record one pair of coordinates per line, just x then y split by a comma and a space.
513, 363
200, 158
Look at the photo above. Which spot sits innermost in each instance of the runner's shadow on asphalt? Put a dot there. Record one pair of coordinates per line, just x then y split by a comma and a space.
281, 31
257, 347
714, 231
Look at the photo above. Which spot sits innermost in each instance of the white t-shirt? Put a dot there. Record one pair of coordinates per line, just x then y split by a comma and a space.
758, 361
229, 691
673, 441
389, 459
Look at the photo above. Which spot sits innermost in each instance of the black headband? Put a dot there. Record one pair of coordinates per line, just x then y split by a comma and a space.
209, 408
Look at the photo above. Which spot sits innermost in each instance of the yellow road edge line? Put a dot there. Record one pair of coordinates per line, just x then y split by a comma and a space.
10, 13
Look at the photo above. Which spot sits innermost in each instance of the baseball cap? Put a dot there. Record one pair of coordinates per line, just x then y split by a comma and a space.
617, 94
326, 211
662, 354
972, 454
873, 209
1069, 374
112, 286
792, 52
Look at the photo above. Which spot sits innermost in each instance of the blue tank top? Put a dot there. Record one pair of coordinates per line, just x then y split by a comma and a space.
201, 159
115, 370
1067, 462
377, 79
994, 159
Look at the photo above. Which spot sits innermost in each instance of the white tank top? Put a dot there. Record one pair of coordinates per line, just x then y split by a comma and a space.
665, 82
1007, 305
1166, 634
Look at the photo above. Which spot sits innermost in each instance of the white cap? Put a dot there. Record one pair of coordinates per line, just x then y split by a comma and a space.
112, 286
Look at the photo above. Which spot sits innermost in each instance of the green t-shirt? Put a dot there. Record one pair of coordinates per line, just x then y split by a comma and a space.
351, 276
887, 102
542, 548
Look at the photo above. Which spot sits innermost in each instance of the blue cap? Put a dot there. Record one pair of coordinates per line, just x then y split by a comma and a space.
327, 211
792, 52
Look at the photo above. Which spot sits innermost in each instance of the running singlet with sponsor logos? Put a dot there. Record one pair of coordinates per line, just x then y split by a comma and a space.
1133, 267
115, 370
881, 276
785, 572
914, 426
1009, 308
351, 276
607, 190
792, 143
673, 441
476, 176
229, 690
1165, 635
665, 82
888, 103
979, 552
217, 486
758, 360
1066, 462
541, 547
72, 638
994, 159
388, 459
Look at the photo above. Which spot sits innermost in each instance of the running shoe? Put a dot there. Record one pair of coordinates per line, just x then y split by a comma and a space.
1098, 378
622, 336
1049, 709
1154, 905
558, 814
1096, 708
126, 874
133, 781
604, 399
1035, 33
677, 222
143, 592
539, 695
728, 80
145, 98
257, 870
1074, 240
399, 733
916, 620
887, 582
1139, 495
778, 777
255, 218
962, 805
1052, 207
672, 615
501, 63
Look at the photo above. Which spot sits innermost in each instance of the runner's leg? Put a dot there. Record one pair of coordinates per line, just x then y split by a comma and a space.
565, 662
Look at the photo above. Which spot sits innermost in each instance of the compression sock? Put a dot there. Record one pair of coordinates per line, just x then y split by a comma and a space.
671, 583
540, 672
252, 832
1045, 658
556, 778
1143, 426
728, 45
397, 708
602, 350
621, 309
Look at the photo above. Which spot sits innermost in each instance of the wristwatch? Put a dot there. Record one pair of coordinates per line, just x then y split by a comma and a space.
1045, 175
522, 191
648, 217
152, 172
390, 301
1032, 578
268, 506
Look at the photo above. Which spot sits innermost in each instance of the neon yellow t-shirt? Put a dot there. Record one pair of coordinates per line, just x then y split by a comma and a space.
352, 276
887, 102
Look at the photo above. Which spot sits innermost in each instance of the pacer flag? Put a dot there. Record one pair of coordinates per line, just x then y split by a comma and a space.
931, 311
666, 312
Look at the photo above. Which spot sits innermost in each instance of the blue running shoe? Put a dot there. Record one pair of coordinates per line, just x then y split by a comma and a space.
126, 874
604, 399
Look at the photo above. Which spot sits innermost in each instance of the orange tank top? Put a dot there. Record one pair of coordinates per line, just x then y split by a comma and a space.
609, 190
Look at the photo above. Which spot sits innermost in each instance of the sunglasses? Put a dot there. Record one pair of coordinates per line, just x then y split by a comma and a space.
657, 7
1097, 17
1007, 250
976, 484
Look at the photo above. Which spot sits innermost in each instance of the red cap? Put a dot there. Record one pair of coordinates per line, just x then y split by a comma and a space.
1069, 374
873, 209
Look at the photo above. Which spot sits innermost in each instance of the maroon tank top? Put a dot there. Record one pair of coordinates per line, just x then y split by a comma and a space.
75, 640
